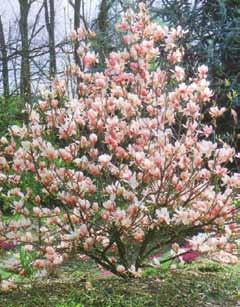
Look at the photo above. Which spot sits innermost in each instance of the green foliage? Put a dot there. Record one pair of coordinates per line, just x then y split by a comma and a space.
26, 258
151, 272
10, 113
5, 203
4, 274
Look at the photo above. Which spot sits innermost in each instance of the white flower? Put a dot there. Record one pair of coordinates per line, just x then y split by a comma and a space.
133, 181
163, 215
104, 159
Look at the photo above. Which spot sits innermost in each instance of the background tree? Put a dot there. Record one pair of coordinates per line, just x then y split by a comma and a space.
25, 62
4, 55
76, 5
103, 24
49, 6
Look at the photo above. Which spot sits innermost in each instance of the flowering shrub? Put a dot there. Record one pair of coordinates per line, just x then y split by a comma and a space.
126, 169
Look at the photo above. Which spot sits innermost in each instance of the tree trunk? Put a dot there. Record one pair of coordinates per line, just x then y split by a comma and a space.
103, 16
25, 85
50, 25
102, 21
77, 7
4, 54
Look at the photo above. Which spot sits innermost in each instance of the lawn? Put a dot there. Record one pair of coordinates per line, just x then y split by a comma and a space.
199, 284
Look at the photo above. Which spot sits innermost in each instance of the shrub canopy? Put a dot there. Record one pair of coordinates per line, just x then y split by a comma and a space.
126, 169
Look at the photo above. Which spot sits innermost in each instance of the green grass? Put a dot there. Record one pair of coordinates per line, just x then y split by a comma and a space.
202, 284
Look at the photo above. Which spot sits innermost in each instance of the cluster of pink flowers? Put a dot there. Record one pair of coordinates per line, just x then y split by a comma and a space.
127, 168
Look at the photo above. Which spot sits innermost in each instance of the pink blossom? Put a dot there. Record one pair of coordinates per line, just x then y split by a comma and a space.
179, 73
83, 230
202, 71
139, 235
65, 155
215, 112
7, 285
207, 130
225, 257
81, 33
39, 264
90, 59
